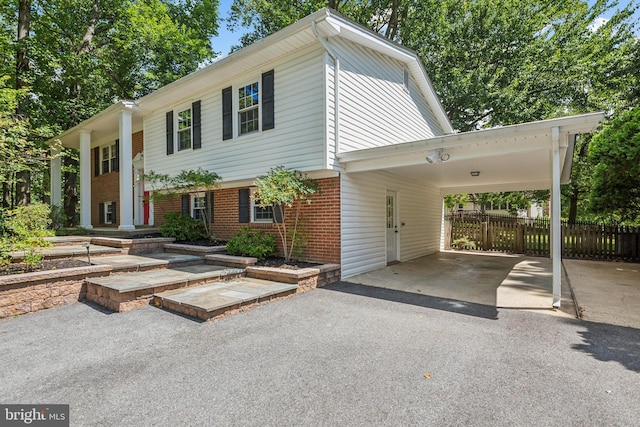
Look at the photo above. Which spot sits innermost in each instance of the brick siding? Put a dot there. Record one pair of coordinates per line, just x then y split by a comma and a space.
321, 220
106, 187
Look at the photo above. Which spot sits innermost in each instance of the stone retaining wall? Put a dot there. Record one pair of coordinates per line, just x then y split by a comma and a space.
306, 278
28, 292
134, 246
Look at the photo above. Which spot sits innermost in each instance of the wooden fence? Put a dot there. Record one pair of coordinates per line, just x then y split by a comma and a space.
531, 237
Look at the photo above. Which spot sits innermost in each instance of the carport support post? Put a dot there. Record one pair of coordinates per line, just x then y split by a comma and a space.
556, 252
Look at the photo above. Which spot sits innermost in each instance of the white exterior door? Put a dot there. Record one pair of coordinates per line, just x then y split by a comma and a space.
392, 227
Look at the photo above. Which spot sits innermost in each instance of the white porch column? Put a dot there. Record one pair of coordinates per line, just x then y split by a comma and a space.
85, 179
126, 171
556, 232
55, 177
138, 190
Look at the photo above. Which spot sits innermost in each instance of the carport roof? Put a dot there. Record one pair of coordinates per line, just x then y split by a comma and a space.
509, 158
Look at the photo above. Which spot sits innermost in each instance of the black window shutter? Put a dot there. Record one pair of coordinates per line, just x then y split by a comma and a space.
278, 213
115, 213
267, 101
169, 132
96, 161
210, 206
117, 165
185, 205
101, 213
227, 114
243, 205
197, 134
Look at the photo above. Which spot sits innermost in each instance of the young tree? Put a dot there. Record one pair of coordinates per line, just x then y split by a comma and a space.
283, 187
187, 181
615, 152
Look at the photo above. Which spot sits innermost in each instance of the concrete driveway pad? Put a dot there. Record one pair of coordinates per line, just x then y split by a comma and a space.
606, 292
496, 280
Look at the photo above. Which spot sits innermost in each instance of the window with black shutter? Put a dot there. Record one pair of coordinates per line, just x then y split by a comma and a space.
169, 132
244, 215
268, 121
227, 114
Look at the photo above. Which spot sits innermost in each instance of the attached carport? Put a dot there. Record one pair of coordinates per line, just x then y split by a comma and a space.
529, 156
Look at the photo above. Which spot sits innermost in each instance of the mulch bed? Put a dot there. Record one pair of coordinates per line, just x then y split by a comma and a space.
46, 265
279, 262
203, 242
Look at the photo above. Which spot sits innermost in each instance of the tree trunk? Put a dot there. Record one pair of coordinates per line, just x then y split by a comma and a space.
70, 191
23, 185
582, 151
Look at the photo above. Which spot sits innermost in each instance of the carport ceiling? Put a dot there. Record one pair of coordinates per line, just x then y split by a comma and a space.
509, 158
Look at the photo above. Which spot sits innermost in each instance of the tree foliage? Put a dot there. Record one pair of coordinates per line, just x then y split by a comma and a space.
167, 187
283, 187
615, 154
84, 55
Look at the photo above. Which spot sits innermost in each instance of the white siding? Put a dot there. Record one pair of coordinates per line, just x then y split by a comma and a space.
297, 141
363, 220
375, 107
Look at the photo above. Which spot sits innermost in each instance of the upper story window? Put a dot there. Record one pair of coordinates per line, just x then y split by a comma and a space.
184, 129
109, 158
106, 158
248, 108
248, 104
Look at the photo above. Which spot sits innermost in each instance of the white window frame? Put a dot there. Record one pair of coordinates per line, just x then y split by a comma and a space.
176, 126
108, 213
113, 156
255, 206
198, 203
257, 107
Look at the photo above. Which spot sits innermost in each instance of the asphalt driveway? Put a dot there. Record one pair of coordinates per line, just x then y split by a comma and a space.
343, 355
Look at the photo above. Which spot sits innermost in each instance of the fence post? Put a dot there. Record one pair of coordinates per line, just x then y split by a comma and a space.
484, 235
448, 225
519, 237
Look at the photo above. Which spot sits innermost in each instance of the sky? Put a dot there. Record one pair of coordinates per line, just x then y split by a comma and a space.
225, 39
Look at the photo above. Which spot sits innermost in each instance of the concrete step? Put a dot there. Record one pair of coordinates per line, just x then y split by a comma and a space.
69, 251
146, 262
206, 302
179, 248
123, 292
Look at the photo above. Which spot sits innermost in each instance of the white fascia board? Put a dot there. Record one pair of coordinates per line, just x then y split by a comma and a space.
541, 129
108, 114
154, 99
497, 187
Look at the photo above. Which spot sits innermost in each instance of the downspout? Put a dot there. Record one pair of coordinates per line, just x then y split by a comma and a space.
336, 86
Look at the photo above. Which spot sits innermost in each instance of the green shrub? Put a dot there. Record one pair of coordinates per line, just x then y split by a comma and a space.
463, 243
183, 227
252, 243
58, 218
29, 222
32, 259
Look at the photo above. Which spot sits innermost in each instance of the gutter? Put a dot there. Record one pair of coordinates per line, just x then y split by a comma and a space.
336, 86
